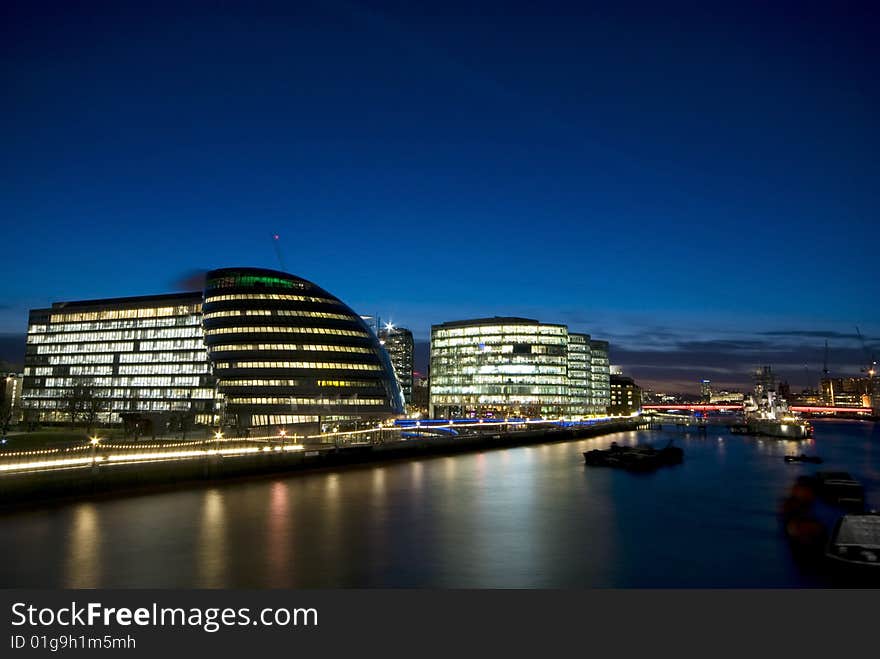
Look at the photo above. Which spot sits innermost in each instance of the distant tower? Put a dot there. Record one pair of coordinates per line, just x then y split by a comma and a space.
765, 381
706, 390
398, 343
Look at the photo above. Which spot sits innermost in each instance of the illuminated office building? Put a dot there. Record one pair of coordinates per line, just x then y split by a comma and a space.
139, 355
580, 385
256, 348
398, 343
600, 374
285, 351
705, 390
503, 367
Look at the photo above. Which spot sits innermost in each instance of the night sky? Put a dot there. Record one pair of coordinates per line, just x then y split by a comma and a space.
697, 183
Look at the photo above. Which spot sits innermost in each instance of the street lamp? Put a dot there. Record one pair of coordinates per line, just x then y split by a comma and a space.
94, 441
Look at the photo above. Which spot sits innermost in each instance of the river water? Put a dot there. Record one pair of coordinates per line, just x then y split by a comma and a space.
527, 517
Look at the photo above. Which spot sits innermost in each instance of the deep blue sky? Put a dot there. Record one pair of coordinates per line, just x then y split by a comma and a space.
696, 182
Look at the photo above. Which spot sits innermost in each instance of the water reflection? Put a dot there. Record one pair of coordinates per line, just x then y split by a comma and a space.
520, 517
279, 550
83, 562
212, 549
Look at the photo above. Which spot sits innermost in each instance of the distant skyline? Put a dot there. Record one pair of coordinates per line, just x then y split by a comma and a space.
698, 184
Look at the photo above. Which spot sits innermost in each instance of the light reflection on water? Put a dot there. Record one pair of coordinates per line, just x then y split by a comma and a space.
523, 517
212, 547
83, 556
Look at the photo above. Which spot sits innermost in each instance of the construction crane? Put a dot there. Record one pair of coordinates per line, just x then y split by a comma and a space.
871, 367
825, 362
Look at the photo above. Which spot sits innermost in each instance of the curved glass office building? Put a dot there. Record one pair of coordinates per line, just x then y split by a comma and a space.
285, 351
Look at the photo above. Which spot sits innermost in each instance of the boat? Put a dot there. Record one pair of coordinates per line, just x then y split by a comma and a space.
855, 543
767, 414
840, 489
814, 459
634, 458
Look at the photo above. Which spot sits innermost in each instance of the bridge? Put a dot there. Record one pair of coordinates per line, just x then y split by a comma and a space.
738, 407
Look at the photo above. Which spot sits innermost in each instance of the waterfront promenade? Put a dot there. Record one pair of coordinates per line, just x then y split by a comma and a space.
115, 465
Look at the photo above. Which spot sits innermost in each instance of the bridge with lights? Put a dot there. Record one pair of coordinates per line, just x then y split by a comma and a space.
738, 407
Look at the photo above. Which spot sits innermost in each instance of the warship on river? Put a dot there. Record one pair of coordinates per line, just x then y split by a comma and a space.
767, 414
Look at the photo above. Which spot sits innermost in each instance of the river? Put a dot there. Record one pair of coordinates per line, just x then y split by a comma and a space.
526, 517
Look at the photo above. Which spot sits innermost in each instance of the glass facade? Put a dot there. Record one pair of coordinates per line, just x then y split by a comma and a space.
142, 356
502, 367
398, 343
283, 357
256, 348
600, 376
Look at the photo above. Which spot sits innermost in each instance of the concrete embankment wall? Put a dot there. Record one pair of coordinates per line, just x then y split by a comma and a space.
21, 488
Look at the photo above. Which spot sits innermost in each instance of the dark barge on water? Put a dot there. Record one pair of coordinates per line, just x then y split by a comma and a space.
854, 545
803, 457
634, 458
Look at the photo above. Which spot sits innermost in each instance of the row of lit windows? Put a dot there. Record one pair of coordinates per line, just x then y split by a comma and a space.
260, 383
128, 394
90, 370
176, 356
75, 348
130, 358
558, 330
453, 362
437, 343
296, 383
269, 296
462, 380
140, 406
59, 360
290, 346
126, 381
283, 329
501, 390
273, 365
510, 369
131, 369
117, 335
499, 400
502, 349
114, 314
346, 383
281, 419
178, 344
174, 321
123, 347
154, 369
279, 312
306, 401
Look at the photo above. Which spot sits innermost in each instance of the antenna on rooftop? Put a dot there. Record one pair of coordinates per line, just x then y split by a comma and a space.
276, 241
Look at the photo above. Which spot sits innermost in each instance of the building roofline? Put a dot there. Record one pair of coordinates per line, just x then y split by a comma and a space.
190, 296
495, 320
